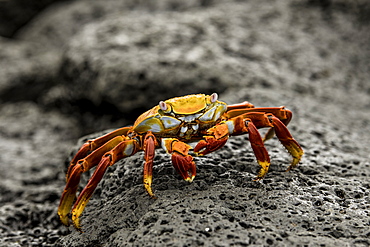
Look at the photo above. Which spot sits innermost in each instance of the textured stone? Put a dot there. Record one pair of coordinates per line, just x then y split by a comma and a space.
325, 200
34, 144
310, 56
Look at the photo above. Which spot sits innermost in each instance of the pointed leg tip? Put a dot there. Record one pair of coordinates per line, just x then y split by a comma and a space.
258, 178
152, 195
79, 230
293, 165
77, 225
75, 218
189, 179
65, 221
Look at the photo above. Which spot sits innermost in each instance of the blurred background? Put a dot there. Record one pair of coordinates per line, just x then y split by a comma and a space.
71, 68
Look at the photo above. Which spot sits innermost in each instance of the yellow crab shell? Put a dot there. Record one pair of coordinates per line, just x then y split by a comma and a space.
183, 117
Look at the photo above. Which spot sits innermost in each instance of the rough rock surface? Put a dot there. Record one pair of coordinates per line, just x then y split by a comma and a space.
311, 56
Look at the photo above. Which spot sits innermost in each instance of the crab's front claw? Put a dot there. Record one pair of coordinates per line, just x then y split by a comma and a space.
181, 160
209, 145
184, 165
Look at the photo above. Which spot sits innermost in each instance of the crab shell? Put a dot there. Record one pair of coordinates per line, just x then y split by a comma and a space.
183, 117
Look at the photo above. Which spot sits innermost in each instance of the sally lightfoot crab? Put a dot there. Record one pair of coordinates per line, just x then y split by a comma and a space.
172, 124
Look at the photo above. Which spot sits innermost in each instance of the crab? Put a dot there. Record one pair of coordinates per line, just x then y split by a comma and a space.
174, 124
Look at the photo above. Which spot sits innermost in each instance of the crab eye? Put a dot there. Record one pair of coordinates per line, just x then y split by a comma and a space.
163, 105
214, 97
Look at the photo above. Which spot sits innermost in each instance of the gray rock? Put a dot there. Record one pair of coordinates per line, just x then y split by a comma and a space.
33, 145
173, 54
318, 203
56, 25
226, 46
310, 56
27, 70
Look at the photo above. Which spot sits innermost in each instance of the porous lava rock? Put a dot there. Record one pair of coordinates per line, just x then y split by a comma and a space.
324, 200
311, 56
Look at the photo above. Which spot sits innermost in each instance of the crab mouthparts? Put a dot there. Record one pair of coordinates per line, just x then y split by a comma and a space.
190, 118
188, 130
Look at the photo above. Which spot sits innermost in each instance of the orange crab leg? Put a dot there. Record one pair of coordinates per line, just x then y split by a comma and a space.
248, 123
83, 165
236, 126
69, 194
259, 149
122, 150
181, 160
288, 141
239, 106
283, 114
269, 120
150, 144
280, 112
92, 145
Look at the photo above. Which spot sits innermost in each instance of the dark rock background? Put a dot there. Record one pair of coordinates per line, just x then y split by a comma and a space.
79, 67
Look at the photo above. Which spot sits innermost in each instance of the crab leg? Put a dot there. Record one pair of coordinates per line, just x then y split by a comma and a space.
262, 120
150, 144
240, 106
236, 126
181, 160
122, 150
92, 145
259, 149
83, 165
288, 141
283, 114
248, 123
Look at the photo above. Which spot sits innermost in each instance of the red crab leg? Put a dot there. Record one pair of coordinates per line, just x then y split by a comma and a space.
288, 141
283, 114
91, 145
122, 150
83, 165
259, 149
181, 160
150, 144
262, 120
269, 120
248, 123
236, 126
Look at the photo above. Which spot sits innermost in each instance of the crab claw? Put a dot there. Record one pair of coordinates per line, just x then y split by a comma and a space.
184, 165
209, 145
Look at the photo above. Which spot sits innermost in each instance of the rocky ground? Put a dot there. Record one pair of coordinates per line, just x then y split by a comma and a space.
81, 67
